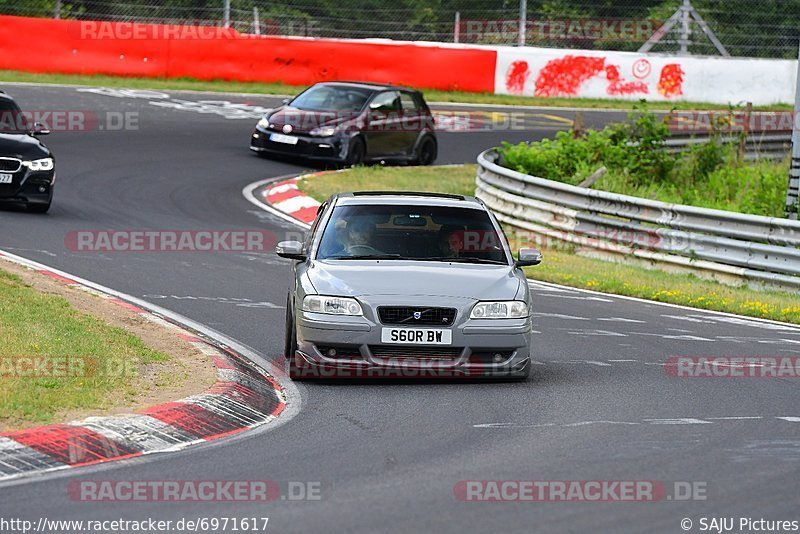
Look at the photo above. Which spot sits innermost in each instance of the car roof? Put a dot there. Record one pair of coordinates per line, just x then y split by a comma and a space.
369, 85
414, 198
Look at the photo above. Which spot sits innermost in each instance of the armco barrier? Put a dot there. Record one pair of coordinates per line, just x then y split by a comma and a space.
77, 47
727, 246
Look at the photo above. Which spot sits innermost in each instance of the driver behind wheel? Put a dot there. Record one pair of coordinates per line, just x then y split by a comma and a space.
358, 237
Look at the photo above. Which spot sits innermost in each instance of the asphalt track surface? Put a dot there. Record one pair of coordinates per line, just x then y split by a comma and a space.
599, 404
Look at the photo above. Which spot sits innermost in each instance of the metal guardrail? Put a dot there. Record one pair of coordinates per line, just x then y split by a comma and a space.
727, 246
757, 145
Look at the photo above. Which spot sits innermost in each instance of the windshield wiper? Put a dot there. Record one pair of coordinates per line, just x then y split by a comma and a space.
459, 259
368, 257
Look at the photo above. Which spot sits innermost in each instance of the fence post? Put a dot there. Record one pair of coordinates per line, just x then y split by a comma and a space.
226, 14
57, 10
793, 188
523, 21
256, 22
457, 27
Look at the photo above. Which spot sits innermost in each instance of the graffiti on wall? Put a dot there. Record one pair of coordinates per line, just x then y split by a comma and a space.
566, 76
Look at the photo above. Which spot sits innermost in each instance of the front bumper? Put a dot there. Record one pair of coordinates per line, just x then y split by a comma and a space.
308, 147
29, 187
479, 348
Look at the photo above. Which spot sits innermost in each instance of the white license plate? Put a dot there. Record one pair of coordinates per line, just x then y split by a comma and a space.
6, 178
417, 336
280, 138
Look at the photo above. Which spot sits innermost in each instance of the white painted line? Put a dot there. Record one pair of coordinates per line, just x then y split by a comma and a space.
790, 419
620, 319
574, 297
559, 316
735, 418
678, 421
668, 305
623, 360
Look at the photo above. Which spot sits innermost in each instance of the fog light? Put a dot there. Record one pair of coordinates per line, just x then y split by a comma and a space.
256, 136
497, 358
42, 188
331, 353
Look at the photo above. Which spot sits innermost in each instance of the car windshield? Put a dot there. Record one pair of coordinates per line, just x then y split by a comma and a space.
331, 98
12, 119
428, 233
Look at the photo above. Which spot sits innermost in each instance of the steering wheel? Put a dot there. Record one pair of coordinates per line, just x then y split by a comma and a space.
358, 250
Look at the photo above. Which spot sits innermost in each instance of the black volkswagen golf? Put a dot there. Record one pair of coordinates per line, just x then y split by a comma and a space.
27, 168
350, 123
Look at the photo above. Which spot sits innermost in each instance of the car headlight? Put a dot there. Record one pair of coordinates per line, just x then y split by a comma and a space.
323, 131
332, 305
263, 123
44, 164
503, 309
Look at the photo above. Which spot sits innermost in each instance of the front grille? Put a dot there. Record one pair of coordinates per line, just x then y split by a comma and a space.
10, 164
405, 315
420, 353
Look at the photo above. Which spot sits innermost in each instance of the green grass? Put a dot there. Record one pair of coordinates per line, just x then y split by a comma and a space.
564, 267
432, 95
445, 179
37, 325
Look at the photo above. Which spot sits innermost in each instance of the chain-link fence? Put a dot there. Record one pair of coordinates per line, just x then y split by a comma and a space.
769, 28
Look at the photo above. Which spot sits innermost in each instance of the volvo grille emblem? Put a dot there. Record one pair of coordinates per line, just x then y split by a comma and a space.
417, 315
287, 128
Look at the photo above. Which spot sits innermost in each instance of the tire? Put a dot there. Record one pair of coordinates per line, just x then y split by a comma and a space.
426, 151
39, 208
355, 152
290, 343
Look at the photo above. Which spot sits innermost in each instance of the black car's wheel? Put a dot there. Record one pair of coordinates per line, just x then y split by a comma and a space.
356, 152
426, 152
39, 208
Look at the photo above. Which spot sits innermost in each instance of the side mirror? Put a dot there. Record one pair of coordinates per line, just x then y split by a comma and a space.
528, 256
290, 249
39, 129
286, 101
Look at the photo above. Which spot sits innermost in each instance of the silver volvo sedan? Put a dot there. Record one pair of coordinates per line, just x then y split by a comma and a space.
407, 285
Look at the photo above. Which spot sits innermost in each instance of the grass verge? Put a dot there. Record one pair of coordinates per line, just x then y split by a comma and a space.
432, 95
57, 360
564, 267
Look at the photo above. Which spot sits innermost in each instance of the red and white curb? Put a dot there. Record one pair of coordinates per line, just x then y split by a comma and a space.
244, 396
286, 197
282, 197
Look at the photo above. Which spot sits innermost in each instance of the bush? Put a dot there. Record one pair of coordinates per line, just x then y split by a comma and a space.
707, 175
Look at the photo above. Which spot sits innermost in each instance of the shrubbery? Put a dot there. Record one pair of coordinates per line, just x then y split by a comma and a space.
708, 175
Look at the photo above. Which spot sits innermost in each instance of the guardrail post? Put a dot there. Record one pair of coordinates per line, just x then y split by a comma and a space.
577, 124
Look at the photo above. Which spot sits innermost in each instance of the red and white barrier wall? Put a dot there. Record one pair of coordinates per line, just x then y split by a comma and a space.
87, 47
550, 72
